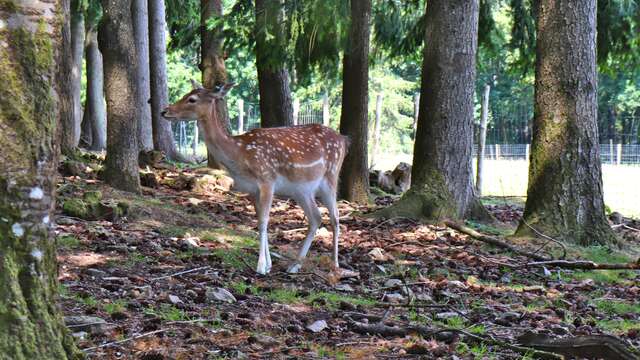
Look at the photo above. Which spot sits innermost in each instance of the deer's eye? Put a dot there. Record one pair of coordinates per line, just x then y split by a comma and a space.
192, 100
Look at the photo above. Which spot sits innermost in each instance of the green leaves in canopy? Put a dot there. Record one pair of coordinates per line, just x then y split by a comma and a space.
618, 34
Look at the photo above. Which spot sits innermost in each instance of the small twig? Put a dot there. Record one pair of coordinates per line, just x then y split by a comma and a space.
585, 265
549, 239
124, 340
180, 273
630, 228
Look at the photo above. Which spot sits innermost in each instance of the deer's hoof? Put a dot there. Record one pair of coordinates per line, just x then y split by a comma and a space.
263, 269
294, 269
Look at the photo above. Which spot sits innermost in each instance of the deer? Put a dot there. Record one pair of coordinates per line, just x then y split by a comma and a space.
296, 162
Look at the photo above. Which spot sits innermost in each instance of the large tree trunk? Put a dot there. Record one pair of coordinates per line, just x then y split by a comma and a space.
276, 108
67, 132
96, 113
354, 180
162, 134
442, 175
31, 326
214, 72
118, 46
564, 198
143, 87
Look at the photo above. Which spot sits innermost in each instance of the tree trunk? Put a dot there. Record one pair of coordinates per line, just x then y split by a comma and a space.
276, 108
564, 198
143, 87
442, 174
376, 131
162, 134
96, 113
86, 131
31, 325
77, 51
118, 46
354, 184
482, 138
214, 72
64, 83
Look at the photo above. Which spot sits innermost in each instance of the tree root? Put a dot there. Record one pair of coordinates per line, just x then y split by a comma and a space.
590, 346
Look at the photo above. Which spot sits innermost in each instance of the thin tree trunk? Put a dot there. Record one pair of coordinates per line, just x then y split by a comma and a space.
31, 325
96, 113
354, 184
118, 46
442, 174
276, 107
482, 138
86, 131
564, 198
214, 72
77, 51
143, 87
162, 134
376, 131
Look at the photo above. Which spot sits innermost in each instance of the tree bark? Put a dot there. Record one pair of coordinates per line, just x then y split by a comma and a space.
564, 198
442, 174
213, 69
96, 113
354, 184
162, 134
86, 130
77, 52
482, 138
143, 86
31, 325
276, 107
118, 46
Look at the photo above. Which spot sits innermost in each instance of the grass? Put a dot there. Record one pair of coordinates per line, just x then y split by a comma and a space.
67, 242
115, 307
240, 287
329, 300
232, 257
167, 312
614, 307
601, 254
135, 258
618, 326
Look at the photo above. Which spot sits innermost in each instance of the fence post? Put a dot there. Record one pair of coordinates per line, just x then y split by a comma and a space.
240, 116
619, 154
483, 137
497, 151
611, 151
325, 110
376, 130
195, 138
296, 111
527, 150
416, 111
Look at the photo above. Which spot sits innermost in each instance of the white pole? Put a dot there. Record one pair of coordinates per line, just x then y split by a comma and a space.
376, 130
619, 155
482, 138
296, 111
240, 116
325, 110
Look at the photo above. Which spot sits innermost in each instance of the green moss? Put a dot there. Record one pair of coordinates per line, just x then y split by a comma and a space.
92, 197
76, 208
8, 5
67, 242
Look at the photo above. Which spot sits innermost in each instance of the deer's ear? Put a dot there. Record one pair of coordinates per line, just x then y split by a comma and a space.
196, 85
224, 89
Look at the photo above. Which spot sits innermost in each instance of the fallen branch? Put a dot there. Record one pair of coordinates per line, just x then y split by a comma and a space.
386, 330
588, 346
180, 273
124, 340
494, 241
585, 265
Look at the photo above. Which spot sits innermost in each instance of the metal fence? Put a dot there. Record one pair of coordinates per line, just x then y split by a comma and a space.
616, 154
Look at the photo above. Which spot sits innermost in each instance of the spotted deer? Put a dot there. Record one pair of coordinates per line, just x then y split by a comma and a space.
298, 162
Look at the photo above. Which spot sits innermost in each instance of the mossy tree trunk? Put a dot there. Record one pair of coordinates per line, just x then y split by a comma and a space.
31, 326
442, 175
354, 121
117, 43
214, 72
564, 198
140, 13
276, 108
162, 135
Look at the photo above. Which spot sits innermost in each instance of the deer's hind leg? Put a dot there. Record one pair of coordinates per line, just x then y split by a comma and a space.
328, 197
311, 211
263, 205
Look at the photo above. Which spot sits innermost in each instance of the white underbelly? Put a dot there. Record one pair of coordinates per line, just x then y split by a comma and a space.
284, 187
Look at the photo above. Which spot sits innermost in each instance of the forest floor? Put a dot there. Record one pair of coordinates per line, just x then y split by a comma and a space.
174, 279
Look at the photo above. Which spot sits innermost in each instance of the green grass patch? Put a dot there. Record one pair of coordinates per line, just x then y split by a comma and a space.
284, 296
135, 258
88, 301
173, 231
67, 242
167, 312
615, 307
227, 236
325, 352
240, 287
618, 326
489, 229
115, 307
333, 300
233, 257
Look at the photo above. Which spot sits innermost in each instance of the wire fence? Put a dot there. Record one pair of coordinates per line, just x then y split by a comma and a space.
614, 154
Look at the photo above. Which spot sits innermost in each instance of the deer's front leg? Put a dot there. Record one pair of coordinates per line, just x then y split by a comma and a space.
263, 205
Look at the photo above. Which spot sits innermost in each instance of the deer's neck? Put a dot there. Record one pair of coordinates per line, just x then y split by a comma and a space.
225, 149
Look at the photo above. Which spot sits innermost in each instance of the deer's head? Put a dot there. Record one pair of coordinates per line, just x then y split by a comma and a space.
196, 103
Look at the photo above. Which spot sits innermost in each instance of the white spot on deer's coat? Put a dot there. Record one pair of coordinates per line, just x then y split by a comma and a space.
36, 193
17, 229
36, 254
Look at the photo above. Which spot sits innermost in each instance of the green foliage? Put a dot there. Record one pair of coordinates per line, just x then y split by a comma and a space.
167, 312
67, 242
612, 307
117, 306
